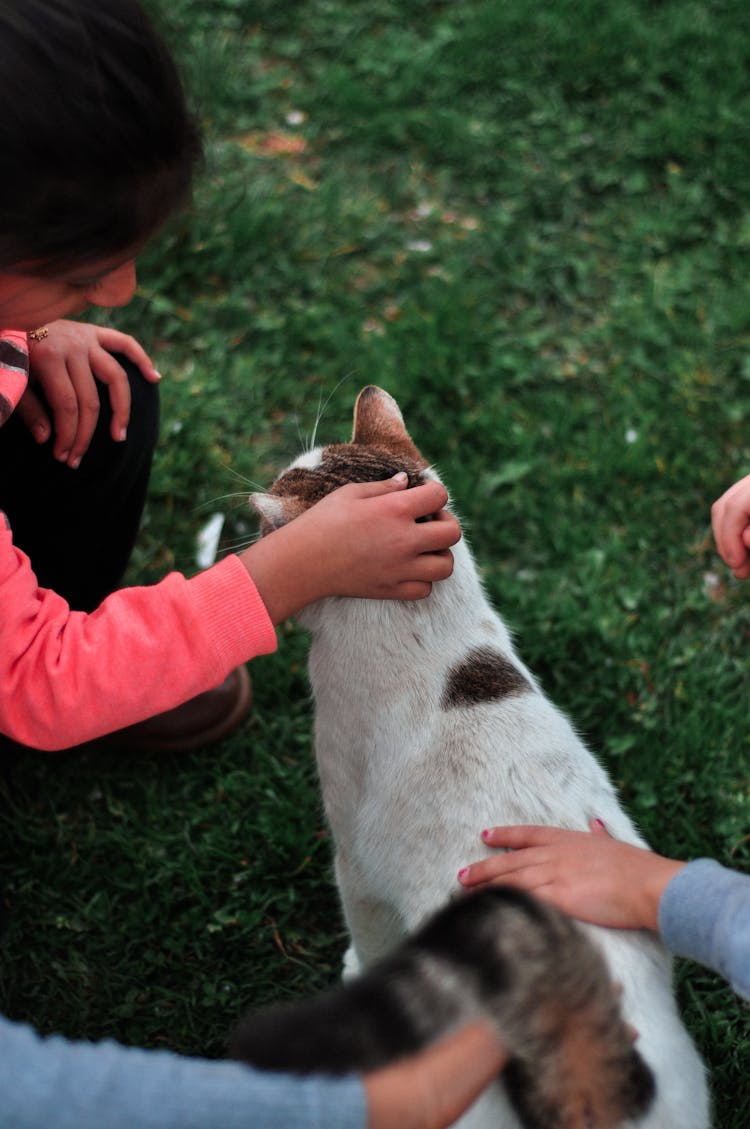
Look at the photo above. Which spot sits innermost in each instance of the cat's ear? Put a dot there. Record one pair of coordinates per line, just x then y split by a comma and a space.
378, 422
275, 511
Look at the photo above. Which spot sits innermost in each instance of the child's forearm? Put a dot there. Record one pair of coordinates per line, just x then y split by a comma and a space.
431, 1089
285, 569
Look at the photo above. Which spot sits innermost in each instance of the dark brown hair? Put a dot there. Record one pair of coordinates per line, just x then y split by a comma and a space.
97, 144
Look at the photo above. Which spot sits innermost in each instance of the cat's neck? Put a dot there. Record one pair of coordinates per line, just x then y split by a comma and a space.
457, 612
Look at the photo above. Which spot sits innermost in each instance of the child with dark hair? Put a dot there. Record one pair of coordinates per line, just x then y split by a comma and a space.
98, 148
98, 144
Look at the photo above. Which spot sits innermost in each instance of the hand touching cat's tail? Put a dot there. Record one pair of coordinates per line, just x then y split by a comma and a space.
498, 955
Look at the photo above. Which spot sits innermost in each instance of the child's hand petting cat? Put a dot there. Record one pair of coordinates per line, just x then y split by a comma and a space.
589, 875
363, 540
431, 1089
730, 520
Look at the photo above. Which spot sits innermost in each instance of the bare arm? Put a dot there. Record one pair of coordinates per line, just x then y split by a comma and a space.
431, 1089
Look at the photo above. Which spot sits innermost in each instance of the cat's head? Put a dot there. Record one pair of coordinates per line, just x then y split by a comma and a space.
380, 447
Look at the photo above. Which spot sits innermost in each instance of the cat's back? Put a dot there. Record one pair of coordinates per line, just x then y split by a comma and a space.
426, 715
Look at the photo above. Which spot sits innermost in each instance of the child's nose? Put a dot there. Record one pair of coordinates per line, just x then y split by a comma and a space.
116, 288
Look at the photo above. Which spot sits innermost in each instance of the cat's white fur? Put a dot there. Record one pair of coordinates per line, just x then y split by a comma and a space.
408, 784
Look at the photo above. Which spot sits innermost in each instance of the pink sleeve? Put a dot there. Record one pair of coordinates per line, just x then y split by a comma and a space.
67, 677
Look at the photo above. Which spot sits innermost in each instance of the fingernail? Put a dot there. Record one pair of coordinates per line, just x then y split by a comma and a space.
75, 463
123, 434
485, 834
401, 477
601, 824
462, 873
63, 456
40, 432
156, 374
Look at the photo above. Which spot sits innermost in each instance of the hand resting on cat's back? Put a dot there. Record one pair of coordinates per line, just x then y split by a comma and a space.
498, 955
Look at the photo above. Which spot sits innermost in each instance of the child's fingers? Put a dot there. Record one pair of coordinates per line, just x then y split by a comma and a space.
62, 397
433, 566
427, 569
438, 535
529, 872
742, 571
116, 342
110, 372
730, 517
409, 590
374, 489
82, 381
597, 827
34, 416
519, 835
425, 500
524, 853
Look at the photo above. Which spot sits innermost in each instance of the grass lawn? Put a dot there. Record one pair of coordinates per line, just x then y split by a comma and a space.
531, 224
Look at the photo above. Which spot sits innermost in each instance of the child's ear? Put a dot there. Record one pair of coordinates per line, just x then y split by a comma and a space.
275, 511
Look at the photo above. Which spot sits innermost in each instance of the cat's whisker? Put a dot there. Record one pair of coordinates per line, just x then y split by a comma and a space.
241, 494
311, 443
321, 410
237, 547
243, 478
300, 437
240, 543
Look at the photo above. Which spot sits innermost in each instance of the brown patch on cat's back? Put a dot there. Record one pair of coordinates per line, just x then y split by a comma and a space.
483, 675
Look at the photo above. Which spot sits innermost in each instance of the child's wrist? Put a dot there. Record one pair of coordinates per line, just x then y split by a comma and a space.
284, 569
662, 874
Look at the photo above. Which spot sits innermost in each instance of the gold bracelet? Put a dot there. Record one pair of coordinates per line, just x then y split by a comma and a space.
38, 334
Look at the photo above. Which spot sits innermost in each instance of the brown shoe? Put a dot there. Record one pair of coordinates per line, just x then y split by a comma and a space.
202, 720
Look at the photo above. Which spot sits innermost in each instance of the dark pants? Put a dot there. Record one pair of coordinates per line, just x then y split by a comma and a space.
78, 526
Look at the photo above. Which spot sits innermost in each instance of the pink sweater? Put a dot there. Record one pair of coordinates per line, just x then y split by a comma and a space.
67, 677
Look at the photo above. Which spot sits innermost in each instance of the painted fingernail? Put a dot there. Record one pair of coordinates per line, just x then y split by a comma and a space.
485, 834
462, 873
601, 824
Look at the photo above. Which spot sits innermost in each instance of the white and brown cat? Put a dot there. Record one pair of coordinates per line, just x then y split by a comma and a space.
429, 727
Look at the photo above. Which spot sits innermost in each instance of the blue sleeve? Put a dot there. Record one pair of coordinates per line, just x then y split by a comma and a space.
72, 1085
704, 914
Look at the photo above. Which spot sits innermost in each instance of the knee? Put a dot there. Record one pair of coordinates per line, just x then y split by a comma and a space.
143, 427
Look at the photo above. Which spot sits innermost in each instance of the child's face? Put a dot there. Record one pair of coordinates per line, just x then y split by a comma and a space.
29, 300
